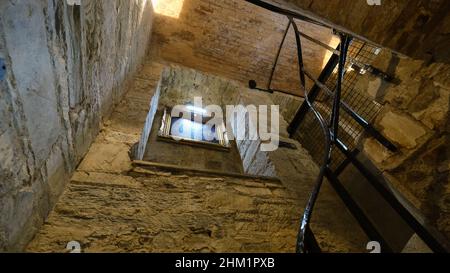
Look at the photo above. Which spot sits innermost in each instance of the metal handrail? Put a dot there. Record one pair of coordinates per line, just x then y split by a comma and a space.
304, 226
306, 18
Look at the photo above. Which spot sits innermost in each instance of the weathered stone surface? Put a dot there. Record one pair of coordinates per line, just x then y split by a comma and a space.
376, 151
180, 86
416, 117
289, 105
148, 211
33, 73
107, 157
433, 113
402, 130
66, 68
152, 213
164, 212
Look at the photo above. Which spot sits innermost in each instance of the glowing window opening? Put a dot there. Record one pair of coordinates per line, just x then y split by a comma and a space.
170, 8
189, 130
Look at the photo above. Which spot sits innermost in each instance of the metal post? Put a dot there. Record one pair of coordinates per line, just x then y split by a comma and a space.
269, 85
345, 42
300, 54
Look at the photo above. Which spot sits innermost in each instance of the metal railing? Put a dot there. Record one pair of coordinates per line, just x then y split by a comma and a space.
330, 130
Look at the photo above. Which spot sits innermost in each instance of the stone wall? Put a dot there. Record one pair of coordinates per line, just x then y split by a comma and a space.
289, 105
180, 86
415, 117
66, 67
335, 229
111, 205
190, 156
239, 41
148, 211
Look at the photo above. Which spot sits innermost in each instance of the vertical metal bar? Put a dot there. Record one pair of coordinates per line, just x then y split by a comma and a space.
311, 243
300, 55
269, 86
345, 42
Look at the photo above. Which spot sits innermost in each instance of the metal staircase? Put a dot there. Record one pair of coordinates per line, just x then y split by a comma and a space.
329, 124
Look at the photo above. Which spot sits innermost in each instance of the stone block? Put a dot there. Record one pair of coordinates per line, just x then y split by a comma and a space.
48, 71
57, 174
402, 129
376, 152
434, 113
107, 157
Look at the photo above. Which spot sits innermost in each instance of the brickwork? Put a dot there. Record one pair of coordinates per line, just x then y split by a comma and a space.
238, 41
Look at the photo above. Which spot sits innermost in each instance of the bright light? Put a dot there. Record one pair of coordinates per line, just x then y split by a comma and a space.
334, 41
170, 8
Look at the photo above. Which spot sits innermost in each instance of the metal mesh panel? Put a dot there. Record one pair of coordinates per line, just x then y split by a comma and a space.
310, 133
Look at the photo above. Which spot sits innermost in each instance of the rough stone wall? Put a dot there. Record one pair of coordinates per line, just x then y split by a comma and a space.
111, 206
334, 227
289, 105
66, 68
332, 224
239, 41
180, 86
416, 28
415, 117
162, 212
